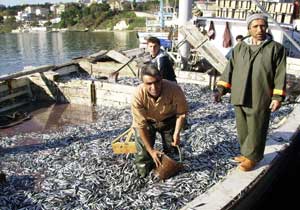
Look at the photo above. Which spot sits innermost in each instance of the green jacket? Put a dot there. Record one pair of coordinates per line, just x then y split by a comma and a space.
255, 77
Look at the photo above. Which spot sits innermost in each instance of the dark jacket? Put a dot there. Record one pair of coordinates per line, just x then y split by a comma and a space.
164, 65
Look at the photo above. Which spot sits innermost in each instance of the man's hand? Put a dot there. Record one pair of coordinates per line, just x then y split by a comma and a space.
155, 154
176, 139
217, 96
275, 105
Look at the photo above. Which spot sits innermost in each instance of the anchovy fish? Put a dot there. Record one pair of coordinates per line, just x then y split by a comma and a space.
75, 168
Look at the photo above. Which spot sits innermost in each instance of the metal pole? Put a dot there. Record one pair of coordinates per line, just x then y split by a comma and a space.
185, 14
279, 27
161, 10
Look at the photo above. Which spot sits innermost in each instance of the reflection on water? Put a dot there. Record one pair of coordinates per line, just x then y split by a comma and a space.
53, 117
36, 49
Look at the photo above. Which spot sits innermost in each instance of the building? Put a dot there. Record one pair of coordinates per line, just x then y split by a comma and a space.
58, 9
40, 11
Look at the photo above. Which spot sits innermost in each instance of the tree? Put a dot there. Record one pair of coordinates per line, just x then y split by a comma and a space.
133, 5
48, 23
71, 15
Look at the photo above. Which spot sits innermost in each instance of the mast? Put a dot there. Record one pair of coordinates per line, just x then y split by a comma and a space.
161, 10
185, 14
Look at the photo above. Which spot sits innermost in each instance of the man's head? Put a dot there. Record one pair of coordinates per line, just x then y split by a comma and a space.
152, 80
256, 16
257, 26
153, 45
239, 38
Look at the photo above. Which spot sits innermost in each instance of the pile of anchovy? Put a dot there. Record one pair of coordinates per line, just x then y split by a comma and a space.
75, 168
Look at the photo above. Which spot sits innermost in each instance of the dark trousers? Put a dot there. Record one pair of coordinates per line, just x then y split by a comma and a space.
143, 160
252, 127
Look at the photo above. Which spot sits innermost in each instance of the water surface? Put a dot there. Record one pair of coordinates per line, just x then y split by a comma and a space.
35, 49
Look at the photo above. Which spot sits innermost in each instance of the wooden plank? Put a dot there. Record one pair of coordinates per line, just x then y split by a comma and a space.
26, 72
288, 19
233, 4
278, 7
13, 95
284, 7
15, 105
295, 61
66, 70
290, 8
97, 56
117, 56
134, 52
16, 83
202, 44
272, 7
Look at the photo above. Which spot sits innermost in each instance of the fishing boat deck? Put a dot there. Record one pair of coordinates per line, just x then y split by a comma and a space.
65, 159
73, 166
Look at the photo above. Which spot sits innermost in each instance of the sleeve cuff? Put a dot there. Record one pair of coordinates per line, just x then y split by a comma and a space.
222, 90
278, 98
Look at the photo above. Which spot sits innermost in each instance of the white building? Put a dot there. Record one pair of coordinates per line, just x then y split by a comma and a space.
58, 9
55, 20
29, 10
40, 11
22, 16
89, 2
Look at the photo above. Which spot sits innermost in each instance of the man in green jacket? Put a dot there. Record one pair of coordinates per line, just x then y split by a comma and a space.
255, 76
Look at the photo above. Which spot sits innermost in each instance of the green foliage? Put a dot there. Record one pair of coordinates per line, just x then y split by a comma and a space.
126, 6
10, 12
71, 16
148, 6
137, 23
88, 21
129, 17
86, 11
47, 24
34, 24
8, 25
90, 17
56, 25
62, 24
96, 16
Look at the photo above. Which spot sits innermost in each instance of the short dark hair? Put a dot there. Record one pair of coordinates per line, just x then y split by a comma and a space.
153, 39
150, 70
239, 37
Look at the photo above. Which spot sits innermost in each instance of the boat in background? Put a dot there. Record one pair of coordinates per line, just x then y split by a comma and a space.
162, 36
162, 27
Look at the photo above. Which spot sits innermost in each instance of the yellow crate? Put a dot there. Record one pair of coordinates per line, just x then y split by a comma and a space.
124, 147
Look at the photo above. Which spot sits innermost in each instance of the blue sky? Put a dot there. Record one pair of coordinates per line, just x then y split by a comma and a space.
19, 2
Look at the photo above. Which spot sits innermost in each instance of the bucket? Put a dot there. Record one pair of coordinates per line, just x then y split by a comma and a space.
168, 166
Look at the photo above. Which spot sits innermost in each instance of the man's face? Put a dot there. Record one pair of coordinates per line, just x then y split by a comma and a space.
153, 48
153, 85
258, 29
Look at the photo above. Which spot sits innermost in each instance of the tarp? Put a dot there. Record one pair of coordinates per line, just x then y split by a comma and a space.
292, 51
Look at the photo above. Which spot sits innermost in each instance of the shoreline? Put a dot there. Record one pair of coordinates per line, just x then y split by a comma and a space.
72, 30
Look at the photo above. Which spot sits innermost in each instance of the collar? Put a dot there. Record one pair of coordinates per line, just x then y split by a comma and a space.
249, 40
